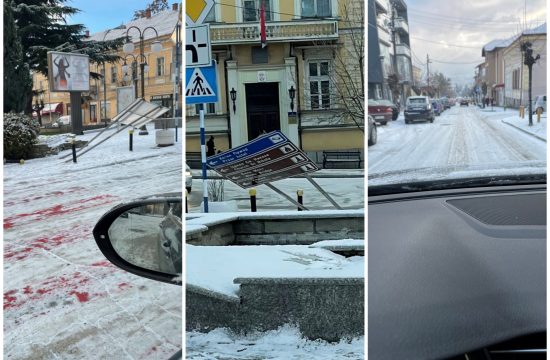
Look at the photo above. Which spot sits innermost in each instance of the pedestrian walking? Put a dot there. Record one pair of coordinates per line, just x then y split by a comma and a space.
210, 147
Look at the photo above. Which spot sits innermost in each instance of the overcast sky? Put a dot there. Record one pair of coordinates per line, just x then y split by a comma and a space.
457, 30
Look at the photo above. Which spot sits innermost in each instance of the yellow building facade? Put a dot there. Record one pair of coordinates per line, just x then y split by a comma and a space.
100, 103
315, 52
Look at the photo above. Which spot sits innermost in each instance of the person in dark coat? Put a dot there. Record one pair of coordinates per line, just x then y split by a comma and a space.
210, 147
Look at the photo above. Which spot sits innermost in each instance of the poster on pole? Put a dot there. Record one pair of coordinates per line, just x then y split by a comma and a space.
68, 72
125, 95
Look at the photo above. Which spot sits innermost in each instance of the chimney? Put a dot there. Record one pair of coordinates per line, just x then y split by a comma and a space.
148, 13
175, 7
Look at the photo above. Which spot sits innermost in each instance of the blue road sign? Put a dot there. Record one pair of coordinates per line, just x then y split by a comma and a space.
201, 85
249, 149
268, 158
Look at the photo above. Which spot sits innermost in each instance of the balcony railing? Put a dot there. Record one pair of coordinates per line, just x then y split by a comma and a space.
403, 49
384, 35
280, 31
401, 25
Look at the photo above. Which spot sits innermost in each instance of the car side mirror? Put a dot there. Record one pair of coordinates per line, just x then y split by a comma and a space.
144, 237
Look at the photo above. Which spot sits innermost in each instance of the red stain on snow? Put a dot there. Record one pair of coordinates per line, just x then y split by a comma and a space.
58, 210
9, 299
82, 297
102, 263
11, 252
123, 285
71, 284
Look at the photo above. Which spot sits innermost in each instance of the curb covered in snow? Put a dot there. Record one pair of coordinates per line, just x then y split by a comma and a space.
523, 130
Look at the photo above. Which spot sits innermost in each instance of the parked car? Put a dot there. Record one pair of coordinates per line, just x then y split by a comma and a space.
418, 108
540, 103
395, 108
381, 113
445, 102
438, 107
188, 179
64, 120
373, 133
464, 102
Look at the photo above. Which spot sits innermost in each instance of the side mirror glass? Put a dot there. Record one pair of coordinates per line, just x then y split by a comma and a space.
144, 238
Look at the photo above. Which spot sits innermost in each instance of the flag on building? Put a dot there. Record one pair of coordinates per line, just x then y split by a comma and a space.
263, 37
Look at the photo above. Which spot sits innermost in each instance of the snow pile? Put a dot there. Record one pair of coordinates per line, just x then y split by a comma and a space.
283, 343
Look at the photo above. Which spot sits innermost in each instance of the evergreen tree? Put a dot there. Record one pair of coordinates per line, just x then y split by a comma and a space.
155, 6
17, 78
42, 27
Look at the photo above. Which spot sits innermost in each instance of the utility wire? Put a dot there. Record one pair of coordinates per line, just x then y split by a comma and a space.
451, 45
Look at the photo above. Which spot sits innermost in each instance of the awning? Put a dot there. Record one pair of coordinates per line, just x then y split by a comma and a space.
498, 85
52, 108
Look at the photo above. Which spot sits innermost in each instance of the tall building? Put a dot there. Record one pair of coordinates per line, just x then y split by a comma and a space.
389, 47
307, 82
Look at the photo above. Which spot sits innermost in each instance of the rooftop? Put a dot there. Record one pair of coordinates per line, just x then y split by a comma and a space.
164, 22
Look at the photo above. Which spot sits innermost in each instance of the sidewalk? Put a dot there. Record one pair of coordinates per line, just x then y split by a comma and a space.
538, 129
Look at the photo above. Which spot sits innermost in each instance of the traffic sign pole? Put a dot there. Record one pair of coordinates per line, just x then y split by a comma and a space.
203, 158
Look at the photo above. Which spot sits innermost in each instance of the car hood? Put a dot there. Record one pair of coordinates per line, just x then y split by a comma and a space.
456, 176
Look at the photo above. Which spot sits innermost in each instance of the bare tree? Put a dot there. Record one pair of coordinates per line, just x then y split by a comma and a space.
347, 73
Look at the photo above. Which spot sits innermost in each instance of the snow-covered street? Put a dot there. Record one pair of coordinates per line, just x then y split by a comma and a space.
462, 137
62, 298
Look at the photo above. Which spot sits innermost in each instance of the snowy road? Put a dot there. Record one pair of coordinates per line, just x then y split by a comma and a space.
460, 137
62, 298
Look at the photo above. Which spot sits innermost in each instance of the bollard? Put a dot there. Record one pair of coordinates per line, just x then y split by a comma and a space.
73, 147
22, 161
131, 135
539, 111
300, 194
522, 112
252, 193
186, 205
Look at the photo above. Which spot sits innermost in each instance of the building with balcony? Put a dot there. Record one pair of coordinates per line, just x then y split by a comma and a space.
389, 46
159, 72
307, 82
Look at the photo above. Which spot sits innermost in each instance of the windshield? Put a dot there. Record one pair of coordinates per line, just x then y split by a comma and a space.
471, 94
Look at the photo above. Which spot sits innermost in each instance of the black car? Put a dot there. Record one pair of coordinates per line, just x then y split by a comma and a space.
464, 102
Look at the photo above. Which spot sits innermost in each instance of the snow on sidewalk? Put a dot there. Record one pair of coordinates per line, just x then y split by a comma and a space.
62, 298
284, 343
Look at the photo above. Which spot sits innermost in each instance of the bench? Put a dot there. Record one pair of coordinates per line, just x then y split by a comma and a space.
341, 157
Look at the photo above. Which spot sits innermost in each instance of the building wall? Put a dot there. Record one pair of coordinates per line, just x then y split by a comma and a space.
288, 66
154, 85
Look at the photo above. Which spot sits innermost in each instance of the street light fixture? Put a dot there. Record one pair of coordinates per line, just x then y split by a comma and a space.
233, 94
291, 94
129, 48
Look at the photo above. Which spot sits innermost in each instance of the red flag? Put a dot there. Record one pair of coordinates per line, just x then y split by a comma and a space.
263, 37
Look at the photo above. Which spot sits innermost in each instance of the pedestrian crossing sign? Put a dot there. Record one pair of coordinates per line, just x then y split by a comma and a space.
201, 85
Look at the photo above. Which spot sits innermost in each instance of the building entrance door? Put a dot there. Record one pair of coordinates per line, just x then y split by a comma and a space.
262, 108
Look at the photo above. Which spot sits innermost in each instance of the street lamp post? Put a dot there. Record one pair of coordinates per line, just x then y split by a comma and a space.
129, 48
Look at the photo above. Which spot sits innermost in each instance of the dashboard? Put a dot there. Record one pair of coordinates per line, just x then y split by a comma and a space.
452, 272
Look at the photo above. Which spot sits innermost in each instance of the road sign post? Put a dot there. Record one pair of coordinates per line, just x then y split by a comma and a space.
203, 160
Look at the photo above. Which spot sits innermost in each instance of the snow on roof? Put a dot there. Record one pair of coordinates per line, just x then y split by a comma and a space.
502, 43
541, 29
164, 22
